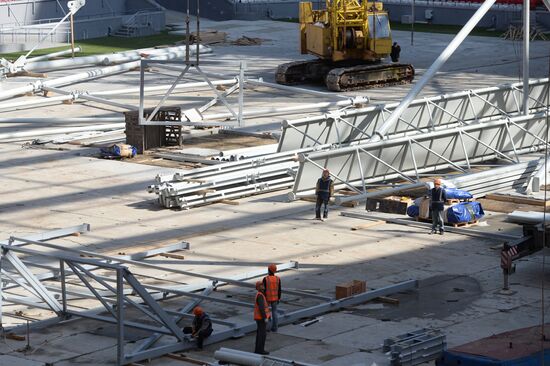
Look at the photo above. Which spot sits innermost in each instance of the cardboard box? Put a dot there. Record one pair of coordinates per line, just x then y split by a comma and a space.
349, 289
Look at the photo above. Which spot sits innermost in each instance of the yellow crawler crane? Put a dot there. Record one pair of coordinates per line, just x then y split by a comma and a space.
350, 39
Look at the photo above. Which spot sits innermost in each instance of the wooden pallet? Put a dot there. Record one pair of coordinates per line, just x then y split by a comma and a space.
453, 224
456, 200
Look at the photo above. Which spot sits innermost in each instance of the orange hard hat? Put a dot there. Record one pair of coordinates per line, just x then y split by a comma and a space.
259, 285
272, 268
198, 311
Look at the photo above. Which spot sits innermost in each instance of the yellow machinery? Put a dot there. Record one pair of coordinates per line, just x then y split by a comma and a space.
350, 39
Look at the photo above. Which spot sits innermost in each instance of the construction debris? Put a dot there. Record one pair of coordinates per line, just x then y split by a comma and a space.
248, 41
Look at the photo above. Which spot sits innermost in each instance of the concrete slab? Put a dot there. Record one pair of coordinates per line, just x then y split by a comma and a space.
359, 359
16, 361
371, 337
314, 352
328, 325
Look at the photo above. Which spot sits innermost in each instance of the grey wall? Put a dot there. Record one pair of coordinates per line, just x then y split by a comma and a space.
29, 11
498, 18
211, 9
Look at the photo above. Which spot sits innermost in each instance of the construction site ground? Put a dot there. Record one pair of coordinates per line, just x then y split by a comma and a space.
460, 275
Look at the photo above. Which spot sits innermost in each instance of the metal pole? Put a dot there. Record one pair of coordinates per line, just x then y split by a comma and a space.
526, 34
72, 34
63, 286
187, 35
412, 22
241, 92
438, 63
120, 315
198, 30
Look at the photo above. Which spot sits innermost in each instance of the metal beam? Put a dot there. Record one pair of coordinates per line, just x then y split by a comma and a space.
283, 319
445, 151
422, 115
433, 69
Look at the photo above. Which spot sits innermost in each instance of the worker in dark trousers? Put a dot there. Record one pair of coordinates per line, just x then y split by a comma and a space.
395, 51
261, 316
272, 285
323, 190
202, 326
438, 198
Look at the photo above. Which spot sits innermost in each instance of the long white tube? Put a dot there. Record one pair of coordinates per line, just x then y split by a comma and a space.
54, 54
56, 131
438, 63
106, 59
526, 34
92, 74
302, 107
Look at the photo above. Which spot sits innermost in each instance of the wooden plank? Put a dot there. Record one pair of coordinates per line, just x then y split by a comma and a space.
230, 202
173, 256
520, 200
388, 300
367, 225
186, 359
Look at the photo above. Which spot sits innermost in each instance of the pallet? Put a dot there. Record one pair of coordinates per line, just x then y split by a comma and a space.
453, 224
456, 200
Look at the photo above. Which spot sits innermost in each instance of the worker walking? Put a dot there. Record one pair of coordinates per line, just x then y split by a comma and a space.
438, 198
202, 326
272, 285
324, 190
395, 51
261, 316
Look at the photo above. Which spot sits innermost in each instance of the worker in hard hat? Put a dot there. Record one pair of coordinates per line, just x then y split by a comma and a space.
438, 198
323, 190
272, 285
261, 316
202, 326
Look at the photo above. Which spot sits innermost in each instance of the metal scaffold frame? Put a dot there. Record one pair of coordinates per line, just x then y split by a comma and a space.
110, 282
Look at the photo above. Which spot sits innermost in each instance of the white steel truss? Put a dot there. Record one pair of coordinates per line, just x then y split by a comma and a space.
422, 115
410, 156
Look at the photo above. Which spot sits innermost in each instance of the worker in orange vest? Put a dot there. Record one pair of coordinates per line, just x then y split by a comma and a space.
272, 285
261, 316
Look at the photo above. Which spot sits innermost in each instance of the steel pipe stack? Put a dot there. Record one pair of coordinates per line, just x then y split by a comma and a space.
260, 174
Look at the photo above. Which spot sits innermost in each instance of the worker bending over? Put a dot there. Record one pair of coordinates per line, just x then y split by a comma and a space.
202, 326
261, 316
272, 285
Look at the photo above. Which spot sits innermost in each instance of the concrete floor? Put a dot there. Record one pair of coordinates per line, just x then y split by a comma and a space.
460, 276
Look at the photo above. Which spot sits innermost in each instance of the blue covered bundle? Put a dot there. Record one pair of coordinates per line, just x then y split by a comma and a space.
457, 194
118, 151
413, 211
465, 212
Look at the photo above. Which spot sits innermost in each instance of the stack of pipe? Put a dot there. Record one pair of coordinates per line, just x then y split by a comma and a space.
218, 182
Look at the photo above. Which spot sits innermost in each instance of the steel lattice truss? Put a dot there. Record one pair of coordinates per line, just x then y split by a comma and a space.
411, 155
423, 115
113, 284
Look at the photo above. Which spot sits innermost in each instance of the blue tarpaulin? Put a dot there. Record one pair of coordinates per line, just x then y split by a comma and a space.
451, 358
413, 211
457, 194
465, 212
